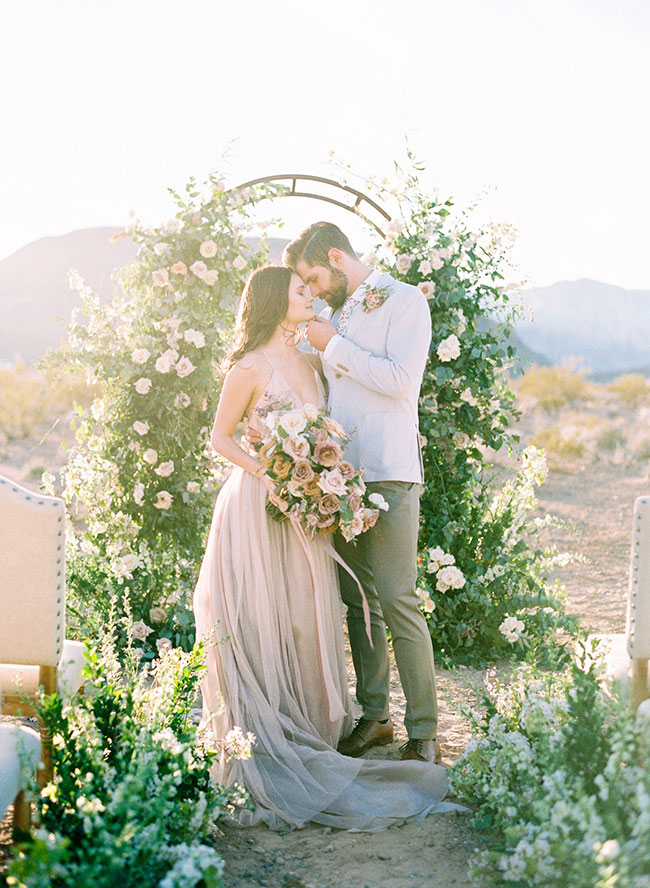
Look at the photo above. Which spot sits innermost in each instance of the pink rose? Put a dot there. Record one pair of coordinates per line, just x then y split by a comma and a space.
208, 249
347, 470
160, 277
178, 268
373, 300
198, 268
354, 501
332, 482
296, 446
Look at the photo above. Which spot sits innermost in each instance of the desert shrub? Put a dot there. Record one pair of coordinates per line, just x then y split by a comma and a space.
561, 441
632, 389
557, 770
24, 404
132, 801
553, 387
610, 437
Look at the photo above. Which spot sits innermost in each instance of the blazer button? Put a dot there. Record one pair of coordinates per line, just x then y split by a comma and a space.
338, 375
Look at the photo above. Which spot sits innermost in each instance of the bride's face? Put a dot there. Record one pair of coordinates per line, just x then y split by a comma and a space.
300, 307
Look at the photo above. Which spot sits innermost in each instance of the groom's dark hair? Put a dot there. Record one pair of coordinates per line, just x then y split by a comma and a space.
314, 243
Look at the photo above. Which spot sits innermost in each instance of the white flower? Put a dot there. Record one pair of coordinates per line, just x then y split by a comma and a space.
609, 850
309, 410
182, 400
143, 385
195, 337
138, 653
140, 356
208, 249
211, 277
164, 645
157, 614
429, 606
138, 493
193, 487
198, 268
449, 578
293, 422
237, 745
461, 440
404, 263
511, 628
140, 631
179, 268
239, 263
141, 427
127, 564
449, 348
377, 500
166, 360
445, 253
428, 288
172, 226
185, 367
165, 469
425, 267
150, 456
160, 277
164, 500
160, 248
468, 397
461, 323
436, 260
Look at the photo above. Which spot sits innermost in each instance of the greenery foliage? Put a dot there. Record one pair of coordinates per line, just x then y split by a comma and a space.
557, 769
132, 801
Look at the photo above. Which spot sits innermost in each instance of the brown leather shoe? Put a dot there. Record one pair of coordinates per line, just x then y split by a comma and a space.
366, 734
422, 751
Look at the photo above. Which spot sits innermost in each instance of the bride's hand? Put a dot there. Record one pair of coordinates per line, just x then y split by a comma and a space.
269, 483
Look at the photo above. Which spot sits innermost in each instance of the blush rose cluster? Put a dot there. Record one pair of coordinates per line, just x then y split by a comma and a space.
302, 450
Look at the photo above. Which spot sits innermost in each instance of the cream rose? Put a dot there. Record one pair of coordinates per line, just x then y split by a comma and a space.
179, 268
140, 356
293, 422
182, 400
239, 263
164, 500
403, 263
160, 248
195, 337
428, 288
164, 645
138, 494
157, 614
141, 427
193, 487
165, 469
140, 631
208, 249
198, 268
185, 367
211, 277
436, 260
150, 456
425, 267
160, 277
143, 385
449, 348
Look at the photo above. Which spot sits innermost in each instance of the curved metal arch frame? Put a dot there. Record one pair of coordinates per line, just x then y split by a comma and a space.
294, 178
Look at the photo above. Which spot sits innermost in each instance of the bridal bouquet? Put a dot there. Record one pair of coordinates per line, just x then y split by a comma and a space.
302, 451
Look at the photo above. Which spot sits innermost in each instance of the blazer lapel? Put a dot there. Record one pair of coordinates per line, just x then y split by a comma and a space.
359, 315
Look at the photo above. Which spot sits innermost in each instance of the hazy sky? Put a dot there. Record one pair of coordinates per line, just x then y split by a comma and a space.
543, 102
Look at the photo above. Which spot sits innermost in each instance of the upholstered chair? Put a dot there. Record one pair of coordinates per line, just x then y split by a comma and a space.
33, 648
19, 747
627, 655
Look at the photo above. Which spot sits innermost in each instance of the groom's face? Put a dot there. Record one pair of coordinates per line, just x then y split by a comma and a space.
328, 283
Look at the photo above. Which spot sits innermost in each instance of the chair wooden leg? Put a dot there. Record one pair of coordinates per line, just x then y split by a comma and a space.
22, 813
639, 682
47, 677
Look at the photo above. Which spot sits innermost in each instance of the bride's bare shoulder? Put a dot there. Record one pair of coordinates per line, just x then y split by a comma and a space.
250, 369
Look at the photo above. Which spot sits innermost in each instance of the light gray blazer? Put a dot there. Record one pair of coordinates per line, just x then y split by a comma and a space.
374, 374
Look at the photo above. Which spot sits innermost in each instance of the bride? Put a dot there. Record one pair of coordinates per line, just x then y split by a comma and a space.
281, 672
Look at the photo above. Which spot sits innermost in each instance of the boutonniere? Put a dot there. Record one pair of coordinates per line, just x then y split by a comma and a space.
375, 297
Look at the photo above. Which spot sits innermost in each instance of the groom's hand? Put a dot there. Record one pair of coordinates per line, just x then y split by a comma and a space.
319, 333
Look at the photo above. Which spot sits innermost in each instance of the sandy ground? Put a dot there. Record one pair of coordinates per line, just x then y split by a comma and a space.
597, 499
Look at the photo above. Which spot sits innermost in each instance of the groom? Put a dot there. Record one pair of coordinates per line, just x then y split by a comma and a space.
374, 341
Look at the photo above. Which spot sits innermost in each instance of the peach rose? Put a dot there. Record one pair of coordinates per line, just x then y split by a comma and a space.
328, 504
198, 268
302, 472
211, 277
208, 249
185, 367
179, 268
329, 453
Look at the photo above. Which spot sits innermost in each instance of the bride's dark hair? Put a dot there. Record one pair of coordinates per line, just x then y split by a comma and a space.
263, 305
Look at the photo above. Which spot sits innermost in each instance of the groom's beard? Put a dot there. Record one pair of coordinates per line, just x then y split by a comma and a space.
338, 291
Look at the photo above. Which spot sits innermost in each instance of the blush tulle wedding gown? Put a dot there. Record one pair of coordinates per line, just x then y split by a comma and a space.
281, 674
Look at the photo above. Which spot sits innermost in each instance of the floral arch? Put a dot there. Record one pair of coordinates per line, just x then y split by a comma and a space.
141, 481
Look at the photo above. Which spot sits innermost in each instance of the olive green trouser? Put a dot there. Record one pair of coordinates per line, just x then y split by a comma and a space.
384, 560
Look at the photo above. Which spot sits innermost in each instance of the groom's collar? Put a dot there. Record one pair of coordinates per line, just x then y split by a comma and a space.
368, 283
